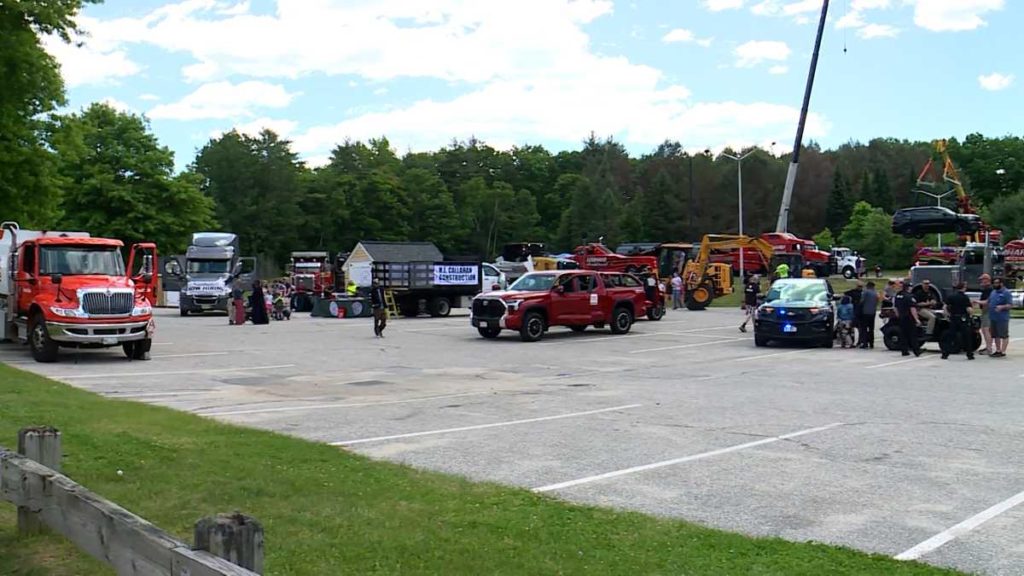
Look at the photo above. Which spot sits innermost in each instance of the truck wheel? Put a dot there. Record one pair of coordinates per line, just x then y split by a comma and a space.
699, 297
44, 349
580, 328
849, 272
533, 327
655, 313
183, 312
760, 341
138, 350
489, 333
440, 307
622, 320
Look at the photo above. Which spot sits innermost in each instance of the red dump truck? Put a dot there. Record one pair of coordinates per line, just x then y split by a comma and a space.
67, 289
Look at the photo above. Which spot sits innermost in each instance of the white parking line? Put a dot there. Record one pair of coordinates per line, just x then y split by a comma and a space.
482, 426
698, 344
749, 358
960, 529
915, 359
682, 460
169, 373
336, 405
152, 394
192, 354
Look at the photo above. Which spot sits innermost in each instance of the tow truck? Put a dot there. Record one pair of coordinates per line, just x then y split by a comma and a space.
597, 256
311, 274
68, 289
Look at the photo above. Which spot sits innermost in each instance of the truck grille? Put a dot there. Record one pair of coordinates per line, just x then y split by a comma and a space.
488, 308
103, 304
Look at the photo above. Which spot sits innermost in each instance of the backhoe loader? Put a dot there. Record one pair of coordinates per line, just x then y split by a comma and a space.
705, 280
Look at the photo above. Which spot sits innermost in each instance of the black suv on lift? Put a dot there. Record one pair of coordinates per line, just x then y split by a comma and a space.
923, 220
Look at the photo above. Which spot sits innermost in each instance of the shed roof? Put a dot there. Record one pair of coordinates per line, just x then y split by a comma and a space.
402, 251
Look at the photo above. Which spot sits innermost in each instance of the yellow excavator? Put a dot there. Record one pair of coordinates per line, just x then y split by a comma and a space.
706, 280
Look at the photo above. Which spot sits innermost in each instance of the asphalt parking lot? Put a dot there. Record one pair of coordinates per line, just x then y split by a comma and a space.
918, 458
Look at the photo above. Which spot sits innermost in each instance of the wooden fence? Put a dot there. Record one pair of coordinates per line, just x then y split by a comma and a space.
231, 545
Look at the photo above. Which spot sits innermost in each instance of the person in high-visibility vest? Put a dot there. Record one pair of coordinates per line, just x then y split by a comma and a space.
782, 270
351, 289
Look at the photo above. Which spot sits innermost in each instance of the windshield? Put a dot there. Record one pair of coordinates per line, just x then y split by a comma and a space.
534, 283
783, 291
208, 266
80, 260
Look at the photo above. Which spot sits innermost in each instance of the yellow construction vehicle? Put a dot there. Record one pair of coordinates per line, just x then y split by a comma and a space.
706, 280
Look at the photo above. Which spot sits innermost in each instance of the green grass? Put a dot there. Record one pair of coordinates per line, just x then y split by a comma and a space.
327, 511
839, 284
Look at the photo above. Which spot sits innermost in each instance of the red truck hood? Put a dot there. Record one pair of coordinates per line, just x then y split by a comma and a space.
72, 283
515, 294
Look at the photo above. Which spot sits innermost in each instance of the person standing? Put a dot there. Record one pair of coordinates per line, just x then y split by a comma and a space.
782, 271
906, 316
986, 321
751, 292
1000, 302
258, 304
237, 304
958, 308
351, 290
890, 289
677, 291
380, 311
866, 322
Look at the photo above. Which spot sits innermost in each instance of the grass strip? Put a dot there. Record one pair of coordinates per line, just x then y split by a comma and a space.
328, 511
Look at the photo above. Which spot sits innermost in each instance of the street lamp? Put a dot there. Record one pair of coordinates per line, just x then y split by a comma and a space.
739, 194
938, 202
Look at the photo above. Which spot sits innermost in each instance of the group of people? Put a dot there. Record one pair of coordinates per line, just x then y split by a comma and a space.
912, 306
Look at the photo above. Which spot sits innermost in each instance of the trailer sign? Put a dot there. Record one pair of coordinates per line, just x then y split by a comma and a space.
449, 275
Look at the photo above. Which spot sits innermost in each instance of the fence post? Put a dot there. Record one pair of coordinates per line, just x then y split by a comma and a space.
41, 444
236, 538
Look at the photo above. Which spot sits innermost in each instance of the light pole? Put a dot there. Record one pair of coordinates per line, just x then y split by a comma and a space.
739, 194
938, 202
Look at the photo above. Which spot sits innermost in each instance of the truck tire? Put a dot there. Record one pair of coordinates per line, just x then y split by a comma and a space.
138, 350
891, 339
849, 273
760, 341
533, 327
489, 333
44, 349
440, 307
622, 320
655, 313
700, 297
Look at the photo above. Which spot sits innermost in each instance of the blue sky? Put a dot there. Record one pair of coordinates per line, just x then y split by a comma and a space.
708, 73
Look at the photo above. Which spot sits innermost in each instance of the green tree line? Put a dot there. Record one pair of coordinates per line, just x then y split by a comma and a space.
103, 171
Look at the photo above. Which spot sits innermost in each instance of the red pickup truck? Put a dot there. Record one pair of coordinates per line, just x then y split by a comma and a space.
573, 298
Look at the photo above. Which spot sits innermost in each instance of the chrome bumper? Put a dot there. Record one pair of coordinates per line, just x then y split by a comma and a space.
102, 334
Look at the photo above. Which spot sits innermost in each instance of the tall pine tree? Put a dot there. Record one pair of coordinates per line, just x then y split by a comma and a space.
840, 205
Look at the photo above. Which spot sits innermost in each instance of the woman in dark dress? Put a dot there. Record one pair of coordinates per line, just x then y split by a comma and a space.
258, 304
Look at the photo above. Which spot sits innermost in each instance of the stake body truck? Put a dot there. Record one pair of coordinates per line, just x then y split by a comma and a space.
67, 289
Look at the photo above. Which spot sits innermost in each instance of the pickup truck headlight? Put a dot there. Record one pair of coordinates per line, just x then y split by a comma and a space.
143, 310
68, 312
513, 305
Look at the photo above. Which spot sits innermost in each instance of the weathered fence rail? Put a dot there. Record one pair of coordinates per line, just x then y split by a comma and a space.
108, 532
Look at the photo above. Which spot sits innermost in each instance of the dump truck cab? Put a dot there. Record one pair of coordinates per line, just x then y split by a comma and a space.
67, 289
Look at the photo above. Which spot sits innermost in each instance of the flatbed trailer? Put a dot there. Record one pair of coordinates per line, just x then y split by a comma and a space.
429, 287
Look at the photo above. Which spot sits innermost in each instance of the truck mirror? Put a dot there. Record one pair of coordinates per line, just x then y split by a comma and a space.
560, 289
147, 278
173, 268
56, 279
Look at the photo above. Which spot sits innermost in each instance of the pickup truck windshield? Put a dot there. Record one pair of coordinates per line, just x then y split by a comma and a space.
784, 291
80, 260
534, 283
208, 266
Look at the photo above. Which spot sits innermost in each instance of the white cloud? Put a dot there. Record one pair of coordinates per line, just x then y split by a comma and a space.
224, 100
778, 69
149, 97
84, 62
858, 5
871, 31
684, 35
118, 105
757, 51
995, 81
719, 5
953, 15
852, 19
281, 127
796, 9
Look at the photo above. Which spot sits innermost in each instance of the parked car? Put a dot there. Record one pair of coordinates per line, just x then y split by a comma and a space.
576, 299
796, 309
933, 220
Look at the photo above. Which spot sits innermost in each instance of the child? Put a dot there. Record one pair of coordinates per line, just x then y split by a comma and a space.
845, 314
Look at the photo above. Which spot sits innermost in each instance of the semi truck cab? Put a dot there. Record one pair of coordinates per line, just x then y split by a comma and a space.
67, 289
212, 263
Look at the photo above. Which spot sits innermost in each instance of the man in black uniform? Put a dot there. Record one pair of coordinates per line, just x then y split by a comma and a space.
380, 311
750, 293
959, 309
906, 315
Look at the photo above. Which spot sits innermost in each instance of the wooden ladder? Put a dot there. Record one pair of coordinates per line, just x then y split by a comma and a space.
390, 304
